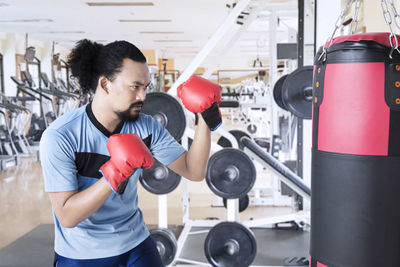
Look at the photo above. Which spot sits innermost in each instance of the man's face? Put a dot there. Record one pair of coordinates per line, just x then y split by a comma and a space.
128, 90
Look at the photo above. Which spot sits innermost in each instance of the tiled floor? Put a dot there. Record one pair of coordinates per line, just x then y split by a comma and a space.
23, 202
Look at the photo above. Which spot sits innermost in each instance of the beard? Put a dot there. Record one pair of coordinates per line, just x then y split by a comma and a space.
129, 115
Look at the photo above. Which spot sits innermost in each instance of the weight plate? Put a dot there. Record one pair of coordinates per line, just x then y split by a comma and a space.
166, 244
230, 173
278, 91
159, 179
243, 202
168, 111
252, 128
224, 142
230, 244
297, 92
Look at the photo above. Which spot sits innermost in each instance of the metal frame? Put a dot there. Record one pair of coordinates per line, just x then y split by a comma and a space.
1, 74
249, 19
211, 44
232, 205
38, 65
300, 63
14, 158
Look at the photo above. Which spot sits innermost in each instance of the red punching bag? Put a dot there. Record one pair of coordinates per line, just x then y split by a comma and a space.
355, 218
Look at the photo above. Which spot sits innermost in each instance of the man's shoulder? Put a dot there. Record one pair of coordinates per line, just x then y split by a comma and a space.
143, 120
64, 128
68, 120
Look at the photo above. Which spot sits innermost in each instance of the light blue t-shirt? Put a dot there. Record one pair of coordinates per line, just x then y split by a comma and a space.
72, 149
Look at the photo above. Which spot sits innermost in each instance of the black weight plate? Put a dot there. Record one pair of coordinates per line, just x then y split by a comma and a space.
252, 128
159, 179
294, 92
168, 111
234, 162
217, 243
166, 244
224, 142
243, 202
278, 92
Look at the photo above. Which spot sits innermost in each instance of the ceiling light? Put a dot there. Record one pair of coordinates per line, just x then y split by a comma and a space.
144, 20
63, 32
68, 41
186, 52
253, 51
161, 32
166, 41
119, 4
26, 20
180, 47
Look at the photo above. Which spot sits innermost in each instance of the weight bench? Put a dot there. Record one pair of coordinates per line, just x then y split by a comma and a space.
285, 174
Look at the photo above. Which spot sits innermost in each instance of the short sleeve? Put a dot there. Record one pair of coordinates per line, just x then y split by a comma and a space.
163, 146
58, 162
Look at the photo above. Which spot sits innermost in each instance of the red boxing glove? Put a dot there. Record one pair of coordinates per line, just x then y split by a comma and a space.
202, 96
127, 153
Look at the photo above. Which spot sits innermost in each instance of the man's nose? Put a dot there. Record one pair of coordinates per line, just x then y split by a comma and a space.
141, 95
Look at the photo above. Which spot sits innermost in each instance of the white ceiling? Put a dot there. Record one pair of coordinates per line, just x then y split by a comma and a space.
192, 23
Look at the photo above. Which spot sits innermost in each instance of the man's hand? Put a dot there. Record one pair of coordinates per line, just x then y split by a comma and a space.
127, 152
202, 96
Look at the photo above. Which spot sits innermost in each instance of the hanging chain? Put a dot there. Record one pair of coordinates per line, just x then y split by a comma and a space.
396, 15
388, 20
338, 24
354, 22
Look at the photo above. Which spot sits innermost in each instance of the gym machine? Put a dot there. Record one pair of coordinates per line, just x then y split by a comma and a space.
64, 100
233, 247
231, 174
1, 74
8, 151
29, 95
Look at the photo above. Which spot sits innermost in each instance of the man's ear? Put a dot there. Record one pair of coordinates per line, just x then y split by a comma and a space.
104, 83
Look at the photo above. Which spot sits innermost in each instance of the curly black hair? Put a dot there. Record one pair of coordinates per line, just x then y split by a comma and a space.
89, 60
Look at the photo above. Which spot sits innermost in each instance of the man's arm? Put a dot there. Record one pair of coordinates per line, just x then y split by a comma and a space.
192, 164
72, 207
199, 96
127, 153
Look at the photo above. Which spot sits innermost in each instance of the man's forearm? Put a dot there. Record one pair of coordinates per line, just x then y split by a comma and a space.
80, 206
199, 152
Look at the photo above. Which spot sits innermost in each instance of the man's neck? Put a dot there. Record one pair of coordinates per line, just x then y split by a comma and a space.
104, 114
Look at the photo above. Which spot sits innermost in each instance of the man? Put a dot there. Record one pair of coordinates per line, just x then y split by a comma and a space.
92, 157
